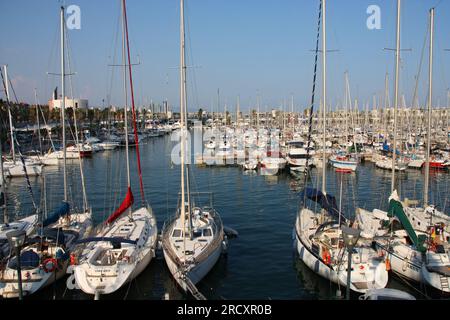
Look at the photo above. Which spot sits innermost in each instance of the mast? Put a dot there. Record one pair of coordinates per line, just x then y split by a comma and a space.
324, 94
346, 108
387, 105
430, 98
183, 124
136, 140
3, 183
238, 107
38, 124
184, 88
291, 118
397, 65
125, 92
63, 103
13, 150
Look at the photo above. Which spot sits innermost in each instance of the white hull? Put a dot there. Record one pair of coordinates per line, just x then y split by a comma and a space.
102, 269
339, 276
17, 170
345, 165
197, 273
32, 280
387, 165
367, 273
416, 164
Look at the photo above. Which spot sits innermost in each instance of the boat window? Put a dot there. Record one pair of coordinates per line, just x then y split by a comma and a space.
197, 233
207, 233
176, 233
334, 241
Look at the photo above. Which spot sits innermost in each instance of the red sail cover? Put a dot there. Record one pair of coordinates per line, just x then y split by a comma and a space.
126, 203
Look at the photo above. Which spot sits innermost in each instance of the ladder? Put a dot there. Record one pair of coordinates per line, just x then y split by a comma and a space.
193, 289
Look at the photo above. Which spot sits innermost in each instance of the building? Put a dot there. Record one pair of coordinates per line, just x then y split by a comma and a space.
69, 103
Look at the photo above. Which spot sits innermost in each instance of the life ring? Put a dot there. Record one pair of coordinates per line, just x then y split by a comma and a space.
53, 265
326, 257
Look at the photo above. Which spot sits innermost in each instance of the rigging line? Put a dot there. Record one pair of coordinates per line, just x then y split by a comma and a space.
136, 140
74, 109
311, 110
420, 67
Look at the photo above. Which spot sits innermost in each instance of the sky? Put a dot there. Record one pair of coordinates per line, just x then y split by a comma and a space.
243, 48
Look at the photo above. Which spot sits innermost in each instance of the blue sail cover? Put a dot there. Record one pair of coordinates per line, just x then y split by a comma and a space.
64, 209
109, 239
327, 202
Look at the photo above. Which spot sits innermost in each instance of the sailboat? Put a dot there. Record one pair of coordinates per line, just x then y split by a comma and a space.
48, 159
193, 239
125, 244
343, 160
45, 256
415, 241
15, 168
27, 224
318, 238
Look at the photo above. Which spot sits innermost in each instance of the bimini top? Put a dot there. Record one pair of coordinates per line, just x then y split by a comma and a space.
326, 201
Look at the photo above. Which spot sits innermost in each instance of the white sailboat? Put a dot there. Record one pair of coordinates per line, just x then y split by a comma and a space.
14, 167
45, 257
27, 224
318, 237
418, 249
192, 241
125, 244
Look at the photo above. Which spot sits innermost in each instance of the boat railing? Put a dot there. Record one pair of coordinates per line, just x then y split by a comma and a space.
166, 231
217, 225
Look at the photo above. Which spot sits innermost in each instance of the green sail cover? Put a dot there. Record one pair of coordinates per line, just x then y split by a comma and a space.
396, 209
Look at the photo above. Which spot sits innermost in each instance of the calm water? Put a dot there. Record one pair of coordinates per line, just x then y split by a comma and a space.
260, 263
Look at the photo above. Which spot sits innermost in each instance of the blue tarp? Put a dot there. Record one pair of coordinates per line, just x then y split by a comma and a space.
327, 202
112, 240
64, 209
29, 259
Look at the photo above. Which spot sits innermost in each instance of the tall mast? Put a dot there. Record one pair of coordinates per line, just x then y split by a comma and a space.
63, 103
133, 108
184, 83
397, 65
324, 93
430, 98
182, 119
13, 149
125, 92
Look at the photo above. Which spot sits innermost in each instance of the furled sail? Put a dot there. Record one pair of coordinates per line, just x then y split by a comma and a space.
63, 210
126, 203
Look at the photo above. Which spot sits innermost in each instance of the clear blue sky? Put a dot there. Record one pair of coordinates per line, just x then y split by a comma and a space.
238, 46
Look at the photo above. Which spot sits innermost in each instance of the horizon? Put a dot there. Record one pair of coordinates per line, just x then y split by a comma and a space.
245, 52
